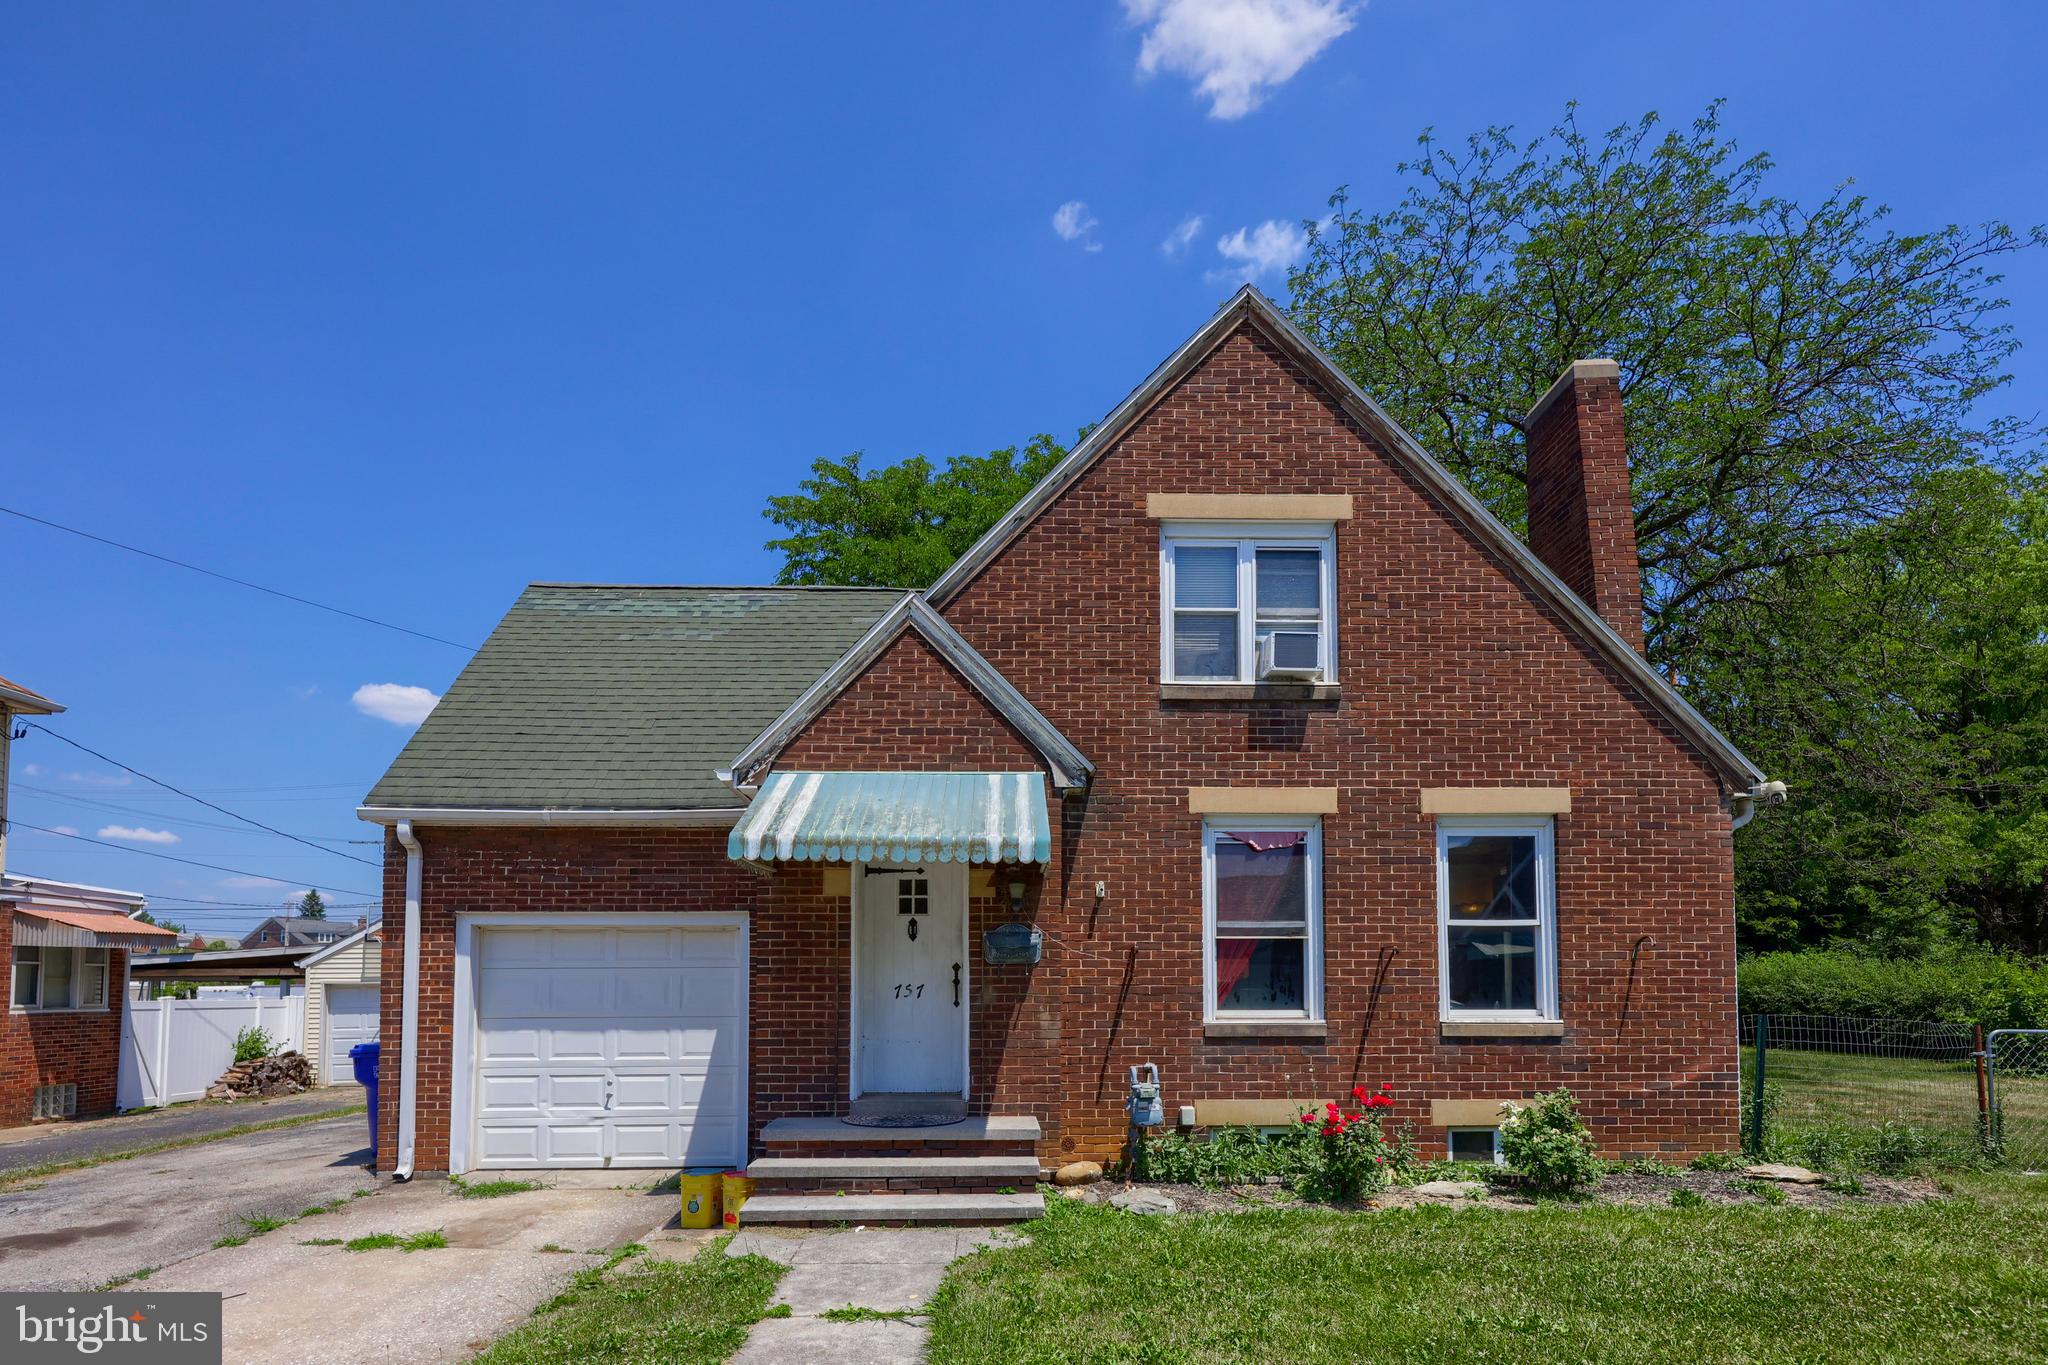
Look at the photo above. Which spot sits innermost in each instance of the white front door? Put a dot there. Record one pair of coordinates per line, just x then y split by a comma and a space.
351, 1019
911, 979
612, 1045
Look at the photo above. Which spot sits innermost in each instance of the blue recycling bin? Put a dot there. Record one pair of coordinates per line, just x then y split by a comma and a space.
363, 1056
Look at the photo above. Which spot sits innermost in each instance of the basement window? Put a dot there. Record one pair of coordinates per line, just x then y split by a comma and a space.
1475, 1144
54, 1102
59, 979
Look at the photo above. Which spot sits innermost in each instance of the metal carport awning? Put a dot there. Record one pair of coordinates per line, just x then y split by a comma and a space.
896, 817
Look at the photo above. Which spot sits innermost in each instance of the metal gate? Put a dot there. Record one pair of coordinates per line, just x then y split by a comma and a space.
2016, 1129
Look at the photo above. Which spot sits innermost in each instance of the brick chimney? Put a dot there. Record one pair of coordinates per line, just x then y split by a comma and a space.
1581, 518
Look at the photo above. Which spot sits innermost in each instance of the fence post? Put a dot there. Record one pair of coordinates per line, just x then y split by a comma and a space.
1756, 1098
1983, 1094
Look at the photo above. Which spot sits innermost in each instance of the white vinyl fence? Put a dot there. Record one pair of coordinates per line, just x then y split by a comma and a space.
172, 1050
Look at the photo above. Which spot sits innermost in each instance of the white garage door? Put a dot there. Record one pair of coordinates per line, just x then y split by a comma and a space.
351, 1019
609, 1046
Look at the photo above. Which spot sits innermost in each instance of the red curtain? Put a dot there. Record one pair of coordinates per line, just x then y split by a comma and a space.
1233, 960
1266, 840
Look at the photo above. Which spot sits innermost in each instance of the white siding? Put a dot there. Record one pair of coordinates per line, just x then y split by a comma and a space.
357, 964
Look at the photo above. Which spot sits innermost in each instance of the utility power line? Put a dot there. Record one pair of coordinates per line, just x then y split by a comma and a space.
238, 582
232, 815
189, 862
89, 803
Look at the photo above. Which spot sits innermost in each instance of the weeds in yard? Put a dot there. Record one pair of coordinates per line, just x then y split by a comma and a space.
120, 1280
1715, 1161
1687, 1199
384, 1241
556, 1247
855, 1313
1768, 1191
232, 1239
490, 1189
690, 1313
260, 1223
777, 1310
321, 1242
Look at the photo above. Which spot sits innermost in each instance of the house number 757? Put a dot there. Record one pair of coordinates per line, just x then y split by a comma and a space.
910, 991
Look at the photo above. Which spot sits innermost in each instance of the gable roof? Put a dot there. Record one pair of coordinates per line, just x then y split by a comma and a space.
1069, 769
1248, 305
331, 949
25, 702
609, 698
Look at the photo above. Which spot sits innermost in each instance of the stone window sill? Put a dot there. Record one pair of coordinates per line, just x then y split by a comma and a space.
1311, 692
1265, 1028
1503, 1028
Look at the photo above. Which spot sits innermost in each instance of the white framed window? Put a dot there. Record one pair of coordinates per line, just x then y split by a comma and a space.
1474, 1144
59, 979
1262, 919
1227, 587
1496, 918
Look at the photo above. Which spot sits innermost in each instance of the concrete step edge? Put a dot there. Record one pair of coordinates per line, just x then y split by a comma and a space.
894, 1167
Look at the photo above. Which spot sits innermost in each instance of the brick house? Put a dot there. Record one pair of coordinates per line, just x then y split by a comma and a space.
66, 947
1248, 745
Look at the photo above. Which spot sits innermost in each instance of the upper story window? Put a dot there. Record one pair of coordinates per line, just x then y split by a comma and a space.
60, 979
1246, 604
1497, 918
1262, 918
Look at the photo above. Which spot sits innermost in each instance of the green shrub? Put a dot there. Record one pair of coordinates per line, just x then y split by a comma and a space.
1545, 1142
1353, 1157
251, 1043
1964, 986
1226, 1156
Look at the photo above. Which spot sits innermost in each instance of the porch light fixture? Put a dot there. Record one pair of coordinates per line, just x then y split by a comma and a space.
1017, 896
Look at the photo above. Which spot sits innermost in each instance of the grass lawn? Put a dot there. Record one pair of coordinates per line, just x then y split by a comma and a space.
646, 1309
1955, 1280
1818, 1089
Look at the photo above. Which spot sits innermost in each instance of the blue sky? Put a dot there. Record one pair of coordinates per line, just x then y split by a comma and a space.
401, 307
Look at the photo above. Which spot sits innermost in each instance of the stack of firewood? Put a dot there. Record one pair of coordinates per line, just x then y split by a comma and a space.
287, 1073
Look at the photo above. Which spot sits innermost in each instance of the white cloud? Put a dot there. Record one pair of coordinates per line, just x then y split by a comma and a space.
71, 830
136, 834
398, 703
1074, 223
308, 691
1250, 253
1236, 51
32, 770
99, 779
1181, 238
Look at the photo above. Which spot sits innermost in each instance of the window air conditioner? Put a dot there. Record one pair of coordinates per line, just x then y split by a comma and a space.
1290, 655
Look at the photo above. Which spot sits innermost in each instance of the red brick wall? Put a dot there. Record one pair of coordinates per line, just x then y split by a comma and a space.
909, 712
1452, 675
59, 1048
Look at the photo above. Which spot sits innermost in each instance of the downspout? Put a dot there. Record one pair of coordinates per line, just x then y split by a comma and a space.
409, 1005
1744, 805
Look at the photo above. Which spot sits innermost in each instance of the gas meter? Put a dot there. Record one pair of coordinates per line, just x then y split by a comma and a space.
1144, 1104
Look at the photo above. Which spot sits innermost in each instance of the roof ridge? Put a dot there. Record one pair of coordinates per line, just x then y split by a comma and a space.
723, 587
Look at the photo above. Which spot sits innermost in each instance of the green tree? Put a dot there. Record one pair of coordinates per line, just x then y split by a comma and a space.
1791, 371
311, 906
218, 945
901, 525
1901, 686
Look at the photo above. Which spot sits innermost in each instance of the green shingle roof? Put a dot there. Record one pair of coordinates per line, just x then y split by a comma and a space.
631, 697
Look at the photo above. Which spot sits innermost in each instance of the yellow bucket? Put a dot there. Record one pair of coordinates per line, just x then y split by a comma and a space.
700, 1199
738, 1189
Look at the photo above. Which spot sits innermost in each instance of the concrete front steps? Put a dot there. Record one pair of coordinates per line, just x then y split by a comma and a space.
822, 1172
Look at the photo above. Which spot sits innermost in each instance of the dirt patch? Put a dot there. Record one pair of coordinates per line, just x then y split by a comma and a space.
1715, 1188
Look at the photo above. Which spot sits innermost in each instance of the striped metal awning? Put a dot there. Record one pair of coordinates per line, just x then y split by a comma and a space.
896, 817
44, 927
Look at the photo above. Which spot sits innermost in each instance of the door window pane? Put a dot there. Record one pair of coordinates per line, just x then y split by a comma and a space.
1261, 974
1204, 645
1493, 876
1261, 890
1205, 576
1492, 968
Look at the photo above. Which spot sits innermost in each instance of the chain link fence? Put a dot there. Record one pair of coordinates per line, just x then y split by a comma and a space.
1838, 1092
2017, 1077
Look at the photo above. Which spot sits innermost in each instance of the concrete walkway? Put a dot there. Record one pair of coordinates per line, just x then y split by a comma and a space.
48, 1143
888, 1270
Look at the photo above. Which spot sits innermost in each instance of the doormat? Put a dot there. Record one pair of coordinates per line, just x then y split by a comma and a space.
904, 1120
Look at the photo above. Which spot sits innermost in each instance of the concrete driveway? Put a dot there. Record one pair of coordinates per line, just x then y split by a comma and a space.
79, 1229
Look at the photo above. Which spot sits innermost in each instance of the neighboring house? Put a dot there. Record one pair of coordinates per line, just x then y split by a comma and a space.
66, 947
341, 1003
296, 930
1300, 768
